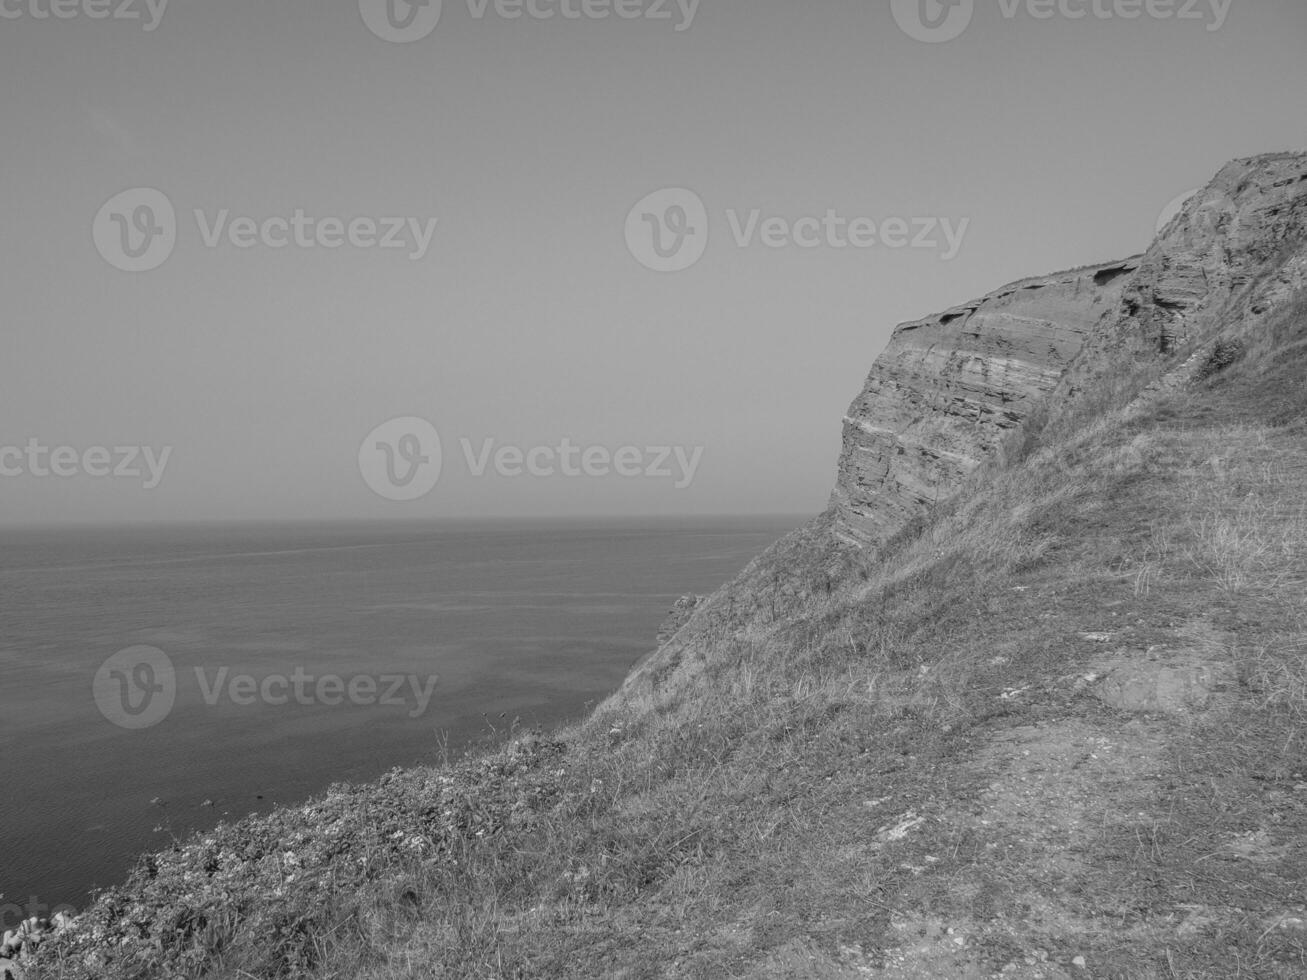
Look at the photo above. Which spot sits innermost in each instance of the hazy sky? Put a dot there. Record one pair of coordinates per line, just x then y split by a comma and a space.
526, 319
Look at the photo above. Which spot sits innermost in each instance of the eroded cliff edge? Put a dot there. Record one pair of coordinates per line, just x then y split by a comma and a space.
951, 388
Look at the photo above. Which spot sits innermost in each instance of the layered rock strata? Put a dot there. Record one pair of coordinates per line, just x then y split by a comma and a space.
949, 389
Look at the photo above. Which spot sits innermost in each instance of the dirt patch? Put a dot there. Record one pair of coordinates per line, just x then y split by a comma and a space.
1180, 682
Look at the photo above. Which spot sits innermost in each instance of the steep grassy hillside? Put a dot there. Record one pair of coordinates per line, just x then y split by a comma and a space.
1054, 728
1060, 723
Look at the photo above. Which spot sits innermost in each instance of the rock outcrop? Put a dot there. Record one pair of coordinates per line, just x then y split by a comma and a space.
949, 389
1232, 255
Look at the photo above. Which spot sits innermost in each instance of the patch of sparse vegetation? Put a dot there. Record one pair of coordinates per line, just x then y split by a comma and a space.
1225, 353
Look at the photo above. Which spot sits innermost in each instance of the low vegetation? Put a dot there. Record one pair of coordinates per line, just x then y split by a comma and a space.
1057, 730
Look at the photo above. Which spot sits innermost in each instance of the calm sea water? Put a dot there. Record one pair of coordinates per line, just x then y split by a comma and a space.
531, 622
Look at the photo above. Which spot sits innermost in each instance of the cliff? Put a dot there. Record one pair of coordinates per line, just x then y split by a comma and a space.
987, 379
950, 389
1026, 701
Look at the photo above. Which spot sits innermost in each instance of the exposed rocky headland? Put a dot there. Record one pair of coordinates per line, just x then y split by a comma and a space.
950, 389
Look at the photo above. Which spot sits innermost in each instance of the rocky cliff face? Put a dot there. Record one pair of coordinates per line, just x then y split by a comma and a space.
1233, 254
948, 389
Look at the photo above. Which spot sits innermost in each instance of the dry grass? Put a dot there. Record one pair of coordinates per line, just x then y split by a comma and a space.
826, 762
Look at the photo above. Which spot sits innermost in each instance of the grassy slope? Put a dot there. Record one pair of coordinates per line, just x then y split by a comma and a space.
851, 769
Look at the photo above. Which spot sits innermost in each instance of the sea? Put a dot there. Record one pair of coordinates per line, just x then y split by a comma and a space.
157, 680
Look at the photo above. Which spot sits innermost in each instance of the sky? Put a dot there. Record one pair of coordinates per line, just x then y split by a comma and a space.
355, 259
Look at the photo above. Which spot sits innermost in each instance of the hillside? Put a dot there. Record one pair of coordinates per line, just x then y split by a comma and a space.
1028, 700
